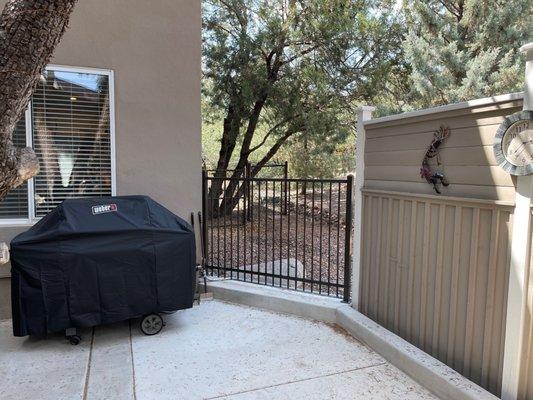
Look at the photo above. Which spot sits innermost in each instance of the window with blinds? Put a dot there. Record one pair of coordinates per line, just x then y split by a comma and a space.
15, 204
71, 136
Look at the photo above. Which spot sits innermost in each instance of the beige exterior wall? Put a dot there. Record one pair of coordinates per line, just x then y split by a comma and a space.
154, 49
435, 268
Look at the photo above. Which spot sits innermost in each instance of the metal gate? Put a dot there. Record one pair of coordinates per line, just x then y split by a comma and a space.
290, 233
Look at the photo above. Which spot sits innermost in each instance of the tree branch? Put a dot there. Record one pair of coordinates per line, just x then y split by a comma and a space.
273, 150
450, 7
271, 130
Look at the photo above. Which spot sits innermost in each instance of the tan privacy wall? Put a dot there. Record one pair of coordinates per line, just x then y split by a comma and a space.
435, 268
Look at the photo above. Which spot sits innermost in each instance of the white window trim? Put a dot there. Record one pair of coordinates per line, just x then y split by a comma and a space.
14, 222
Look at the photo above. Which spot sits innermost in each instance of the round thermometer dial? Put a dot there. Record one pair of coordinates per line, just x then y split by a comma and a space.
517, 143
513, 144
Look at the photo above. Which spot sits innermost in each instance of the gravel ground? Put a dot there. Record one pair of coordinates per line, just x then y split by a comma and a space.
312, 239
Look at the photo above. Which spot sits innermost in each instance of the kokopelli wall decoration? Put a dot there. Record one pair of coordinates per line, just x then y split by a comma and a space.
434, 174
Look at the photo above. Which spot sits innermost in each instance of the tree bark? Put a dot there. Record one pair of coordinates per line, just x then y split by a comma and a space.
29, 32
230, 134
230, 199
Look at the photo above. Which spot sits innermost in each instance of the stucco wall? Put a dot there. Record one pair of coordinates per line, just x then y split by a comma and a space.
154, 48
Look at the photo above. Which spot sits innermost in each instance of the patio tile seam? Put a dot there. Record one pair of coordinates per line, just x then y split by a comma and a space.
132, 363
88, 372
296, 381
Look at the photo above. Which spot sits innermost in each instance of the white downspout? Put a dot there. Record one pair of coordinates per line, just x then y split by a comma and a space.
364, 113
518, 274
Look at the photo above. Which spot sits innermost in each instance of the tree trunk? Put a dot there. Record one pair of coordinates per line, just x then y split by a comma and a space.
29, 32
306, 165
227, 146
224, 195
235, 191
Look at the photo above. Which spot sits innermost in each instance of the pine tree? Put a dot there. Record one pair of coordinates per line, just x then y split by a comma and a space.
465, 49
291, 67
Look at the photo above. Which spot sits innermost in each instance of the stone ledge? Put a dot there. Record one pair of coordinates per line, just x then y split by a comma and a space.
286, 301
423, 368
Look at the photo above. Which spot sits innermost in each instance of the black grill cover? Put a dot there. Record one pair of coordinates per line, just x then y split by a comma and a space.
95, 261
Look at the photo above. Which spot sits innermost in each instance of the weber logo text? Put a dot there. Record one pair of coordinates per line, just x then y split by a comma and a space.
104, 208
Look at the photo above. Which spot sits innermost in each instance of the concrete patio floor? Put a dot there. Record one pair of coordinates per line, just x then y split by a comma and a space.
214, 351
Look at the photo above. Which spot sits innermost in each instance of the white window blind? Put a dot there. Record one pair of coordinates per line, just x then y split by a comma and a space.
15, 204
71, 135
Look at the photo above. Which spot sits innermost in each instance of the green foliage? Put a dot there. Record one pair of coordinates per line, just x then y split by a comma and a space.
212, 129
288, 70
313, 160
465, 49
287, 75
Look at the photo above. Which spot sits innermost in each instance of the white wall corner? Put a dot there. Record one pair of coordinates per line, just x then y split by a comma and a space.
519, 268
364, 113
527, 49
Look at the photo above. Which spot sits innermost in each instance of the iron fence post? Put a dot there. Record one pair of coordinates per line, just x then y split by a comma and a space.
285, 187
347, 240
205, 216
249, 201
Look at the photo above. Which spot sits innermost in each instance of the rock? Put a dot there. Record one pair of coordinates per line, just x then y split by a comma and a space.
281, 268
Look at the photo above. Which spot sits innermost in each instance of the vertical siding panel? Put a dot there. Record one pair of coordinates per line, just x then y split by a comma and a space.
504, 277
462, 298
367, 230
382, 269
399, 266
490, 309
471, 294
482, 281
480, 313
369, 233
387, 263
438, 281
417, 273
404, 283
364, 253
364, 256
411, 273
393, 264
454, 285
424, 277
377, 260
372, 241
430, 273
449, 229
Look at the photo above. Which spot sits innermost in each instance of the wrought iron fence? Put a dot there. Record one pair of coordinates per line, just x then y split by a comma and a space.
291, 233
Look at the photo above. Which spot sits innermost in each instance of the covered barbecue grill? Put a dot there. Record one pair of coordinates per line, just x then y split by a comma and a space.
101, 260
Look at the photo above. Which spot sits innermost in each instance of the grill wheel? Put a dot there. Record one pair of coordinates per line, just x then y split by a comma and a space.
151, 324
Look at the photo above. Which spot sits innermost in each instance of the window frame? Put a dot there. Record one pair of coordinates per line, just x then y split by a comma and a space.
32, 219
